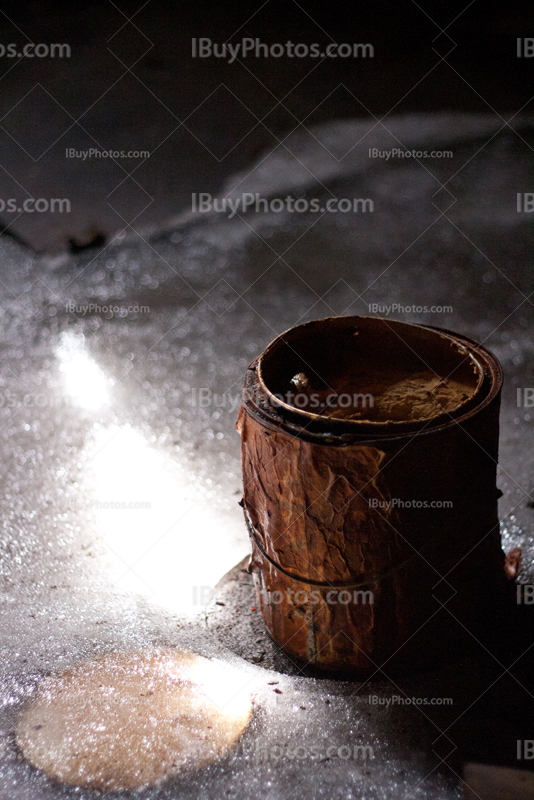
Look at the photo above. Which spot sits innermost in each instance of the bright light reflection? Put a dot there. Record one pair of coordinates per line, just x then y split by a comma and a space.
165, 541
225, 686
85, 382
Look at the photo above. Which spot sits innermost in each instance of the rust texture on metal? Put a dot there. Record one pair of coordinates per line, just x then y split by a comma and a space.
348, 573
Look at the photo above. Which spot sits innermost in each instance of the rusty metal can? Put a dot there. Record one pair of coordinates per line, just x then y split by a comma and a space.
375, 535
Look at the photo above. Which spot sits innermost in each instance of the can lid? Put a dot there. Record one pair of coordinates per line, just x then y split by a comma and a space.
353, 373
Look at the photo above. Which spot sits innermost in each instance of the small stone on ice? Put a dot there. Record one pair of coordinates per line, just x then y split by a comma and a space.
300, 380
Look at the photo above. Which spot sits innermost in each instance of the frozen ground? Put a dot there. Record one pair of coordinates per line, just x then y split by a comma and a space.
120, 489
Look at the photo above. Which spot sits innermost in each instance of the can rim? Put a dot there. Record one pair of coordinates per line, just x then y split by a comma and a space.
463, 345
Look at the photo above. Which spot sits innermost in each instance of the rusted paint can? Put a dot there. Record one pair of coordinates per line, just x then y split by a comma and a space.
374, 529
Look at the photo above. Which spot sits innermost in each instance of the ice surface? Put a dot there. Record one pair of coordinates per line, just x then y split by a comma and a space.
120, 464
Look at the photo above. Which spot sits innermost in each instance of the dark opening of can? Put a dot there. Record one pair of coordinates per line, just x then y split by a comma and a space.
374, 371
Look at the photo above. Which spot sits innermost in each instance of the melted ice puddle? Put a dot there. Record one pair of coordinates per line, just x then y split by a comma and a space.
130, 719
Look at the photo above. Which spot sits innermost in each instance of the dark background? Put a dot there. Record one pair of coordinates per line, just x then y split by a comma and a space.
131, 84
